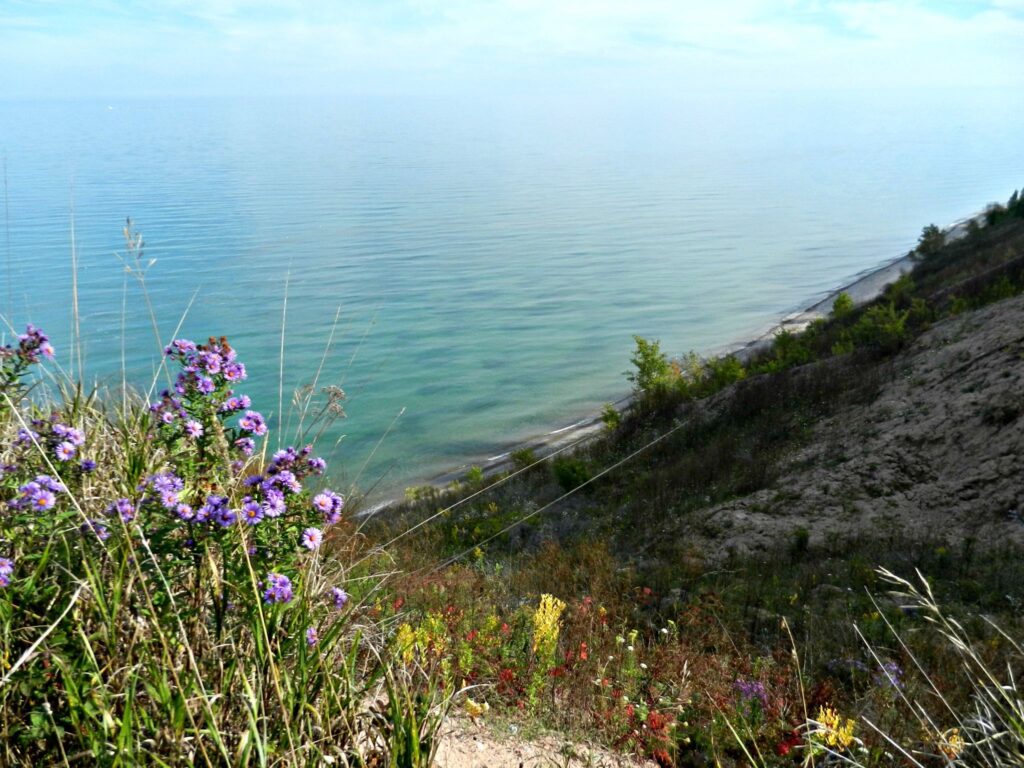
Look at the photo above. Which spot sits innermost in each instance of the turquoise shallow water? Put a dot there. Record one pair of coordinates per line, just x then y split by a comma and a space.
491, 259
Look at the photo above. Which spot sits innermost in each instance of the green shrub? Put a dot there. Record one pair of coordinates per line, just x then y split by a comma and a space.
844, 345
611, 417
720, 372
921, 314
570, 471
882, 328
475, 476
788, 350
900, 291
931, 241
652, 367
523, 458
842, 306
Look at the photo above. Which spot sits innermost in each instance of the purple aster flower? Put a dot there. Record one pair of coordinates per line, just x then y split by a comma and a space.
316, 465
123, 508
211, 361
74, 436
278, 589
6, 571
43, 499
185, 513
180, 347
889, 675
34, 343
169, 499
226, 517
312, 538
253, 422
45, 481
339, 596
234, 372
166, 481
204, 384
287, 479
246, 445
26, 436
274, 503
283, 458
194, 429
65, 451
330, 504
311, 637
168, 417
87, 465
252, 512
752, 690
97, 528
236, 403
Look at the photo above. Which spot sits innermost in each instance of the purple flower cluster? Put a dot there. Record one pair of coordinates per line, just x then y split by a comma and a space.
312, 538
39, 494
207, 373
200, 364
97, 528
33, 345
277, 589
6, 571
752, 690
60, 440
330, 505
889, 675
312, 638
339, 597
123, 508
253, 422
14, 361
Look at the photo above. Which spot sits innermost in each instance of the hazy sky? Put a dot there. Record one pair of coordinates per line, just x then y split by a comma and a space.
237, 47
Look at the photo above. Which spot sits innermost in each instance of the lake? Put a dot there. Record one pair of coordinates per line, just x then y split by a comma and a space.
490, 259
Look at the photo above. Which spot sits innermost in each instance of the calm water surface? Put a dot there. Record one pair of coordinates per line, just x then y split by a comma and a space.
490, 260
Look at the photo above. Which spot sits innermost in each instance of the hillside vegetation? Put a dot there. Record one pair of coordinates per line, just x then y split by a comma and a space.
739, 511
810, 555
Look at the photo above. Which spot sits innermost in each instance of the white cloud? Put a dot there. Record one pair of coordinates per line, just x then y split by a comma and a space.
227, 44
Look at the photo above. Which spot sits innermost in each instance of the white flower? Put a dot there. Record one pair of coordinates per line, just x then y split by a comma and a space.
642, 665
629, 648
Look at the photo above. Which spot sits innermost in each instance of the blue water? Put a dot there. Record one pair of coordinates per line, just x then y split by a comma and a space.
490, 259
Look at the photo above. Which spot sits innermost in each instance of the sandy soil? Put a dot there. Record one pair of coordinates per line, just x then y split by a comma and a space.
470, 745
939, 454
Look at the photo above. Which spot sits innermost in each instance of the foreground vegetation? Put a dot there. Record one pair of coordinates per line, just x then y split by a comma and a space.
687, 656
174, 593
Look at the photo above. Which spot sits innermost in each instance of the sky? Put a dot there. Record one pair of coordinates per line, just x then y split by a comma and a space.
83, 48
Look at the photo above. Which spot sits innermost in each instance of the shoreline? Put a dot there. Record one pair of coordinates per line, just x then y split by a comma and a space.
863, 287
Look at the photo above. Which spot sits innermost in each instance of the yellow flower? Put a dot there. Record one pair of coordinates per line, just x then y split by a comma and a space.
834, 731
951, 743
405, 640
545, 625
476, 709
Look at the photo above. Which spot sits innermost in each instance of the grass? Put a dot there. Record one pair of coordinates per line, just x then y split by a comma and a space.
166, 600
159, 606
